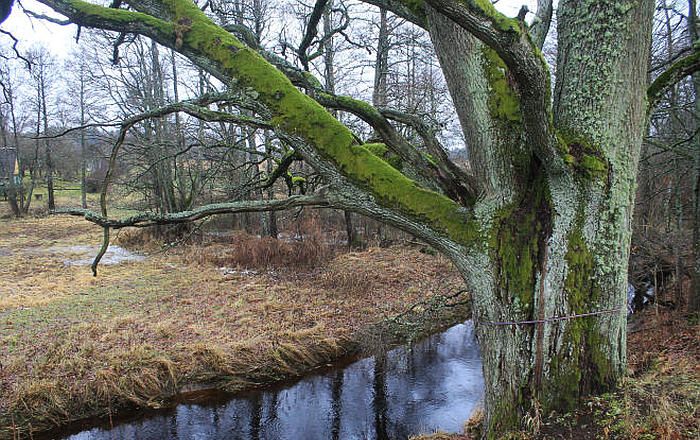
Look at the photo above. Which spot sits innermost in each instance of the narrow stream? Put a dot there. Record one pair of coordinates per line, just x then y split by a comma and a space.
433, 386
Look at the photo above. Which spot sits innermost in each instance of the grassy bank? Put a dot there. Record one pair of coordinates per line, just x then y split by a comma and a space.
74, 346
659, 399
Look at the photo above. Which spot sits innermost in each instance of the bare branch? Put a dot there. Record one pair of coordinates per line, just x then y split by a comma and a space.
457, 185
15, 42
281, 169
115, 47
336, 155
311, 30
468, 185
146, 219
77, 128
53, 20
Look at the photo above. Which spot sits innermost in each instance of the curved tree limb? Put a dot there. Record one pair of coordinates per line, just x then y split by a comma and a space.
281, 169
458, 186
413, 13
146, 219
311, 31
676, 72
510, 40
185, 106
446, 167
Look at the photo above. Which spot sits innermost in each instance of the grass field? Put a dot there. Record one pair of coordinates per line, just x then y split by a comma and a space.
75, 346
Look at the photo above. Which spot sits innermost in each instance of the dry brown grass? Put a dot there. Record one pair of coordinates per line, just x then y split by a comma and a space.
74, 346
243, 250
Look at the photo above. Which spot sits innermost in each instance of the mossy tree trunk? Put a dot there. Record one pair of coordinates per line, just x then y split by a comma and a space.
557, 239
545, 234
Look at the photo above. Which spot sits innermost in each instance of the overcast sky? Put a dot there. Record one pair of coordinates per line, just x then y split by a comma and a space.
61, 39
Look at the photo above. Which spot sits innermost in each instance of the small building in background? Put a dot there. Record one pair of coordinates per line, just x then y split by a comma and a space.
9, 169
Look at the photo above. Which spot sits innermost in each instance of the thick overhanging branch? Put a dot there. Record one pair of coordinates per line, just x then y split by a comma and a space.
244, 34
189, 31
458, 185
451, 172
401, 8
451, 184
118, 20
146, 219
680, 69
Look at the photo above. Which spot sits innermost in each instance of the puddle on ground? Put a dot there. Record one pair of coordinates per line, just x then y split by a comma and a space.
433, 385
114, 255
83, 255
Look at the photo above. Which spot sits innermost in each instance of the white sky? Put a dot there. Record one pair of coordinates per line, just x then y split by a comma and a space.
60, 40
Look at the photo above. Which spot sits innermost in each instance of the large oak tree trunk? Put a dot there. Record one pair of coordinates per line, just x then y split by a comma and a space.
556, 242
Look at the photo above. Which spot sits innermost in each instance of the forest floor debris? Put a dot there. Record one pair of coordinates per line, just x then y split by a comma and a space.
75, 346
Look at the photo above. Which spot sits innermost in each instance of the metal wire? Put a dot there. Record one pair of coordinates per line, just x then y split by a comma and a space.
552, 319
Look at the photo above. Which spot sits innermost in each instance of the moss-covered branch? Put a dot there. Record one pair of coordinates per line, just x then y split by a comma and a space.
90, 15
452, 174
680, 69
441, 174
192, 33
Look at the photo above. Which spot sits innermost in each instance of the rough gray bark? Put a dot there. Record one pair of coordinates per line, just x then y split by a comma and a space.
577, 230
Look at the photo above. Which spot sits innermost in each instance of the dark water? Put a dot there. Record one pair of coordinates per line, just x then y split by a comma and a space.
433, 386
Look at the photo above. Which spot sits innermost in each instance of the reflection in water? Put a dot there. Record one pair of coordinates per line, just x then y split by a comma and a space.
433, 385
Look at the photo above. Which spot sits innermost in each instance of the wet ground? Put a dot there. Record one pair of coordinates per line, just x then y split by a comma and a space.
83, 255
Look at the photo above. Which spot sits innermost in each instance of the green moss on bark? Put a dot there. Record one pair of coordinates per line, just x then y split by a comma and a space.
382, 152
117, 16
518, 241
504, 103
499, 21
583, 155
581, 367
